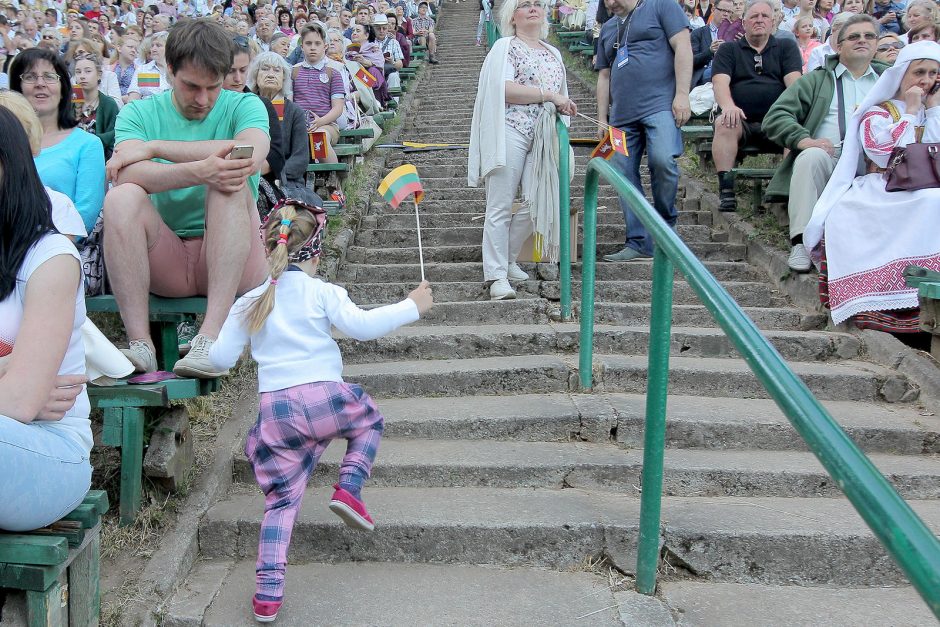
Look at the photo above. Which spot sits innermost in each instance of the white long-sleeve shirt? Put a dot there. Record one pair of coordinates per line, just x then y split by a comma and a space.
295, 346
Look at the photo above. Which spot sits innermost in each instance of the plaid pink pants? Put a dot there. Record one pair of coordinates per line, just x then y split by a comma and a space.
294, 427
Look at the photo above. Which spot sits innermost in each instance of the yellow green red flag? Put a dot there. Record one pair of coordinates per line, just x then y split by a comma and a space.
400, 183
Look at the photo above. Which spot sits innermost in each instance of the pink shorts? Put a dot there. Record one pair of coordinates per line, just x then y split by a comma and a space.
178, 266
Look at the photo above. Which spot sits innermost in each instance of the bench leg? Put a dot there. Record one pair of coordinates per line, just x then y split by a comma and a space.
84, 591
132, 462
44, 609
168, 347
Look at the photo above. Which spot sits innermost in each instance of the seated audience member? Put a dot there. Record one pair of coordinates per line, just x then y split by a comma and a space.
806, 120
867, 234
365, 51
424, 35
393, 56
889, 45
280, 43
888, 14
45, 433
65, 217
126, 65
318, 88
71, 161
919, 13
705, 42
51, 39
805, 37
780, 31
925, 32
96, 113
359, 95
818, 56
853, 6
150, 78
269, 77
181, 219
404, 23
748, 76
404, 43
109, 84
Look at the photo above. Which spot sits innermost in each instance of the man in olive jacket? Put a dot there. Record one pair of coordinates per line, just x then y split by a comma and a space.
806, 119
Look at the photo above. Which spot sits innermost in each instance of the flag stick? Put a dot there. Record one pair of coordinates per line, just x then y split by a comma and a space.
420, 249
590, 119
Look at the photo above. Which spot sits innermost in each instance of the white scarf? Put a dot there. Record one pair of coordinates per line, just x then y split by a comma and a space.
844, 173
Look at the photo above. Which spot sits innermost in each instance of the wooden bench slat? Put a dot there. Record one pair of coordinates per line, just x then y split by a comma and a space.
158, 304
33, 549
99, 500
86, 514
28, 576
328, 167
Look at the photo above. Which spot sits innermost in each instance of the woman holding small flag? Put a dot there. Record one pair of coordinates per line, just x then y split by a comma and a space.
150, 79
513, 141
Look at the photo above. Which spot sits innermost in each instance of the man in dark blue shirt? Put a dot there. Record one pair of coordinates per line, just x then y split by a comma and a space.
644, 58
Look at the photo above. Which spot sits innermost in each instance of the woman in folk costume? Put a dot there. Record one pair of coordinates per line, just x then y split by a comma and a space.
870, 235
513, 140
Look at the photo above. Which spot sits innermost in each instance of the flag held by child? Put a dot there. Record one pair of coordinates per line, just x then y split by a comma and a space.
78, 95
400, 183
605, 149
319, 145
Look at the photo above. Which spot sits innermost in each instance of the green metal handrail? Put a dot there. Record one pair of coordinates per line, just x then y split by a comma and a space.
492, 33
904, 535
564, 215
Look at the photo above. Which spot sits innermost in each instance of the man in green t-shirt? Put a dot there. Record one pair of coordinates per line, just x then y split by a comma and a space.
181, 219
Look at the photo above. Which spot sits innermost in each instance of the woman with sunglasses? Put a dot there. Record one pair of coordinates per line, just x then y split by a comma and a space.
521, 87
71, 161
889, 45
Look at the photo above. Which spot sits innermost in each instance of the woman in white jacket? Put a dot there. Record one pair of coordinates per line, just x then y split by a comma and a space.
512, 140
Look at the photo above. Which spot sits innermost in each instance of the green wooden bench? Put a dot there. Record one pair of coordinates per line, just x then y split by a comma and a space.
124, 406
927, 283
355, 135
56, 568
759, 177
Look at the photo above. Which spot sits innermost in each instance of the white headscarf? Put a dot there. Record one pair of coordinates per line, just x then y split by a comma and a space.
844, 173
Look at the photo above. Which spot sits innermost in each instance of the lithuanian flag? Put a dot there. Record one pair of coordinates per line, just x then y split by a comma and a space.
148, 79
400, 183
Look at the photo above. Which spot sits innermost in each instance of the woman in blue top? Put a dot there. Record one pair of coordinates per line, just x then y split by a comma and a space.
72, 160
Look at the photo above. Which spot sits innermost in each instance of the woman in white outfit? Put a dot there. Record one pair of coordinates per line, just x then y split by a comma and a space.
872, 234
522, 78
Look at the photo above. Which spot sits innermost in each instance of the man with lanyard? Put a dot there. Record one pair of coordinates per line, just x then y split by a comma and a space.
748, 75
705, 42
644, 60
391, 50
810, 118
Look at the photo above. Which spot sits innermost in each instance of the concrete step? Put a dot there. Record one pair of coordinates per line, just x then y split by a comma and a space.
485, 312
728, 539
218, 593
633, 314
747, 605
692, 421
468, 218
745, 294
706, 251
464, 342
454, 377
473, 271
842, 381
461, 235
605, 467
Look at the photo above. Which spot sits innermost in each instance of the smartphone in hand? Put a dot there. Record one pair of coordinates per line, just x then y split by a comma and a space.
242, 152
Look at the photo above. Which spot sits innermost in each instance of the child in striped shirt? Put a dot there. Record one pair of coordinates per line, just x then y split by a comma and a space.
318, 88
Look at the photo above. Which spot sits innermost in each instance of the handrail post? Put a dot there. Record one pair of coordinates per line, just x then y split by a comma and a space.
588, 260
654, 438
564, 215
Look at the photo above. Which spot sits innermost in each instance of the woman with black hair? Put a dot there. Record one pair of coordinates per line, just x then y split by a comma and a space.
45, 434
72, 160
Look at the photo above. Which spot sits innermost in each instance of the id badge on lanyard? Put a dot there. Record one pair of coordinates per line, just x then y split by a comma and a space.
623, 56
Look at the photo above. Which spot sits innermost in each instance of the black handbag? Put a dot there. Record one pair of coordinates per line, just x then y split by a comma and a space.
913, 167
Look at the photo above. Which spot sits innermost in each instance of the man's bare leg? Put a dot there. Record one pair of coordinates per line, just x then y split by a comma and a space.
228, 241
131, 226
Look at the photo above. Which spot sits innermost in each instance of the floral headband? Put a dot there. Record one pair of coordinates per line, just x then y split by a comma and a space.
312, 247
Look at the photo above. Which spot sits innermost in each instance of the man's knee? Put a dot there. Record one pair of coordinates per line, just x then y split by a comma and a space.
813, 160
124, 204
726, 134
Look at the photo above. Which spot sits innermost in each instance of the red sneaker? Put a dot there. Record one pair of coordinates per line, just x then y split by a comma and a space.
351, 510
265, 611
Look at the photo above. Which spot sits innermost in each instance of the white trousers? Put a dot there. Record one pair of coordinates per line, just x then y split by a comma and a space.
504, 232
812, 169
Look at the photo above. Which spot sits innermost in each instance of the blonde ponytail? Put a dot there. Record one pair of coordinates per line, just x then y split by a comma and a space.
280, 239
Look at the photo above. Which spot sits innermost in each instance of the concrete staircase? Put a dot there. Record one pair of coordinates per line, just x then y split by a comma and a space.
503, 495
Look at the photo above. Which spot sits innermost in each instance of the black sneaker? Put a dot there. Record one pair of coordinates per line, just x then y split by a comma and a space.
727, 200
433, 61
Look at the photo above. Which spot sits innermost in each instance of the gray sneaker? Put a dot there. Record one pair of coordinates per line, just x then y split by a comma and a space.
186, 331
196, 363
627, 254
141, 356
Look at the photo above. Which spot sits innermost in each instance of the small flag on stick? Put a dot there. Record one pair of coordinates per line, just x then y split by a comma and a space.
319, 145
78, 95
618, 139
278, 104
365, 78
398, 185
605, 149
